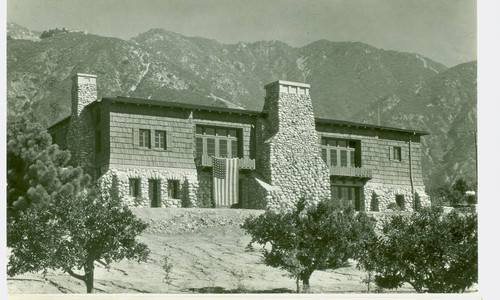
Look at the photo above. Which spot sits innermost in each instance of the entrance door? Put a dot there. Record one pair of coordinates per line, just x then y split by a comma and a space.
154, 193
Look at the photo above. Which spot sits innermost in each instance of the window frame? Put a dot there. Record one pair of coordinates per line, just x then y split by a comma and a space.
173, 189
340, 151
136, 190
142, 140
160, 144
231, 136
397, 153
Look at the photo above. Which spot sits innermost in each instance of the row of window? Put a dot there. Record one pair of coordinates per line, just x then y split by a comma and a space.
337, 152
160, 139
173, 189
217, 141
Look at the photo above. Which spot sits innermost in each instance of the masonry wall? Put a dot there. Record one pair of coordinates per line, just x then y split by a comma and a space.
288, 153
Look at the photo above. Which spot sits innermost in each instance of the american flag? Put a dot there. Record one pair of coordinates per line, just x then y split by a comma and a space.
225, 174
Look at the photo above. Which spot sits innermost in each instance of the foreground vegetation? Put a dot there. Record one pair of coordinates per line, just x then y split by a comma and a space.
57, 221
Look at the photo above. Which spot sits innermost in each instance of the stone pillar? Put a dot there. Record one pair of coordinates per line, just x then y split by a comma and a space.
81, 130
288, 150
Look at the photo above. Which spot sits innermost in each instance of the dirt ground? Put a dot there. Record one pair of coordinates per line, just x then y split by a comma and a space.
207, 250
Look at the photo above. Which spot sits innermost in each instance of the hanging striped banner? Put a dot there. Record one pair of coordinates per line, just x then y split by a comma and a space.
225, 174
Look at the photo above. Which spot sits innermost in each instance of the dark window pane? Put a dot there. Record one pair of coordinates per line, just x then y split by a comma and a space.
234, 149
199, 130
222, 148
211, 146
323, 141
333, 157
332, 142
352, 144
342, 143
199, 147
353, 158
173, 189
232, 132
134, 187
221, 132
323, 155
209, 131
343, 158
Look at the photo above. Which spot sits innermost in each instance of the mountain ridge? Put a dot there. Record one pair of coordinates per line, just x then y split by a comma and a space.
349, 81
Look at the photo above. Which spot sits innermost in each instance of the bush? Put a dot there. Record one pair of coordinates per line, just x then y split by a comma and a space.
309, 239
432, 251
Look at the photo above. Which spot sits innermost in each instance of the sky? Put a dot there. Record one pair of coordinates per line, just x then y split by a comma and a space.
443, 30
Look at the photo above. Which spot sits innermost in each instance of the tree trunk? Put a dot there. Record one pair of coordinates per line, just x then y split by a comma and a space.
305, 281
297, 282
89, 277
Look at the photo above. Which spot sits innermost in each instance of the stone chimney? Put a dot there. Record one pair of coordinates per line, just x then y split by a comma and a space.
83, 92
81, 130
289, 154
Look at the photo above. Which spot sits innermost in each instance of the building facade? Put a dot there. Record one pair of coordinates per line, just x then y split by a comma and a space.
169, 154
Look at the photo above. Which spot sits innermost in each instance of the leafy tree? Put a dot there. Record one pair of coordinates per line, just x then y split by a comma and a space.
70, 233
36, 169
432, 251
309, 239
456, 194
54, 220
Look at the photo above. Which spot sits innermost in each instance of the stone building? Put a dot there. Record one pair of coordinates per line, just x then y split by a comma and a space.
167, 154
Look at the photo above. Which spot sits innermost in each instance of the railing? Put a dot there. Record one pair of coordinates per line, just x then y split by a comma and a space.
350, 172
245, 163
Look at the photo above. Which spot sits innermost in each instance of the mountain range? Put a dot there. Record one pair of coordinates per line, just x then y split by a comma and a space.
349, 81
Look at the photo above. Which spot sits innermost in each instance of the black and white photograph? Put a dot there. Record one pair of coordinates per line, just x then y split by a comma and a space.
205, 147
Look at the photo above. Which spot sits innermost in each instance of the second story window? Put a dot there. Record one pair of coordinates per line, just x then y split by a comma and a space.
145, 138
396, 153
338, 152
161, 139
217, 141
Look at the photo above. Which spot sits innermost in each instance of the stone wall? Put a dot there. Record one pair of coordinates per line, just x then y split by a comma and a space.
204, 193
289, 155
379, 196
117, 181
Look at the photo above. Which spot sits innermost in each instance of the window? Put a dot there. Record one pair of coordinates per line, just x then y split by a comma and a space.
217, 141
173, 189
396, 153
160, 139
145, 138
98, 141
134, 187
155, 192
339, 153
347, 195
400, 201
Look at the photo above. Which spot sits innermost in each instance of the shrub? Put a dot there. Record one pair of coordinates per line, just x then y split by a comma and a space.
432, 251
309, 239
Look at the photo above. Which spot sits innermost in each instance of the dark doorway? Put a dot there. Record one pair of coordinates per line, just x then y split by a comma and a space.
154, 192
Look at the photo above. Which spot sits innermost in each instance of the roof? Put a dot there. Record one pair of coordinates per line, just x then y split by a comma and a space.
162, 103
363, 125
152, 102
60, 122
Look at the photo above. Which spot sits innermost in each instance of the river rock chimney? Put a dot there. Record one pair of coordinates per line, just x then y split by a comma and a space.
289, 153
